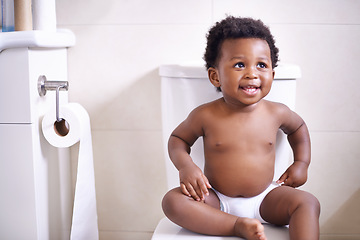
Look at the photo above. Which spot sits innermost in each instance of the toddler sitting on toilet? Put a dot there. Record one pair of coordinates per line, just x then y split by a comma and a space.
235, 194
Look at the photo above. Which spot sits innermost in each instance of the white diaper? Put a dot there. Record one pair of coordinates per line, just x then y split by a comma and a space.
244, 207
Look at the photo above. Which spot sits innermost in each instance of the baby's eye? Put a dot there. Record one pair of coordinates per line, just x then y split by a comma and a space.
239, 65
261, 65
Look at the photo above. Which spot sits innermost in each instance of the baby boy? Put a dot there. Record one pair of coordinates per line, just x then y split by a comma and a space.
236, 192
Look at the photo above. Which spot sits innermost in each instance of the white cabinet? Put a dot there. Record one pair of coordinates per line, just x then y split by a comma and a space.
35, 184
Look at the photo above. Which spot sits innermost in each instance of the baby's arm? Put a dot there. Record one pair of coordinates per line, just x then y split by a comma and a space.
193, 182
299, 139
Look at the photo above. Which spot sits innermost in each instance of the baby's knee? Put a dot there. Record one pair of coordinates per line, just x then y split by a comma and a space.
314, 203
170, 202
310, 202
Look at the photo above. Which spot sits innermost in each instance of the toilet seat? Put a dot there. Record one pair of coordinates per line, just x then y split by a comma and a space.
167, 230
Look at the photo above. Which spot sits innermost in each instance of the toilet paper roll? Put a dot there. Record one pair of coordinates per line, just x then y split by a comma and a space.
44, 15
84, 220
23, 15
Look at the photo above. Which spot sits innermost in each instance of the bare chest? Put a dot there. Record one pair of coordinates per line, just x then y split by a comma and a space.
254, 135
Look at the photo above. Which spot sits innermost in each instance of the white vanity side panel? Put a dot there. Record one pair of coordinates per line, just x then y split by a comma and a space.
14, 86
17, 187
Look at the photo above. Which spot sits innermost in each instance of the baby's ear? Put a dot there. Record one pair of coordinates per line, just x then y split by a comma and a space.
214, 77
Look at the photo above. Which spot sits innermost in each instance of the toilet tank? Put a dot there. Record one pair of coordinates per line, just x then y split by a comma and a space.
184, 87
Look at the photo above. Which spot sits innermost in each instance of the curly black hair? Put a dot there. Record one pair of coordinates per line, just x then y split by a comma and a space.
236, 27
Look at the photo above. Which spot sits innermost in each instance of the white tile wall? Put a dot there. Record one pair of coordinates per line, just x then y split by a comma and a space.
129, 169
327, 93
332, 176
292, 11
122, 63
133, 12
113, 73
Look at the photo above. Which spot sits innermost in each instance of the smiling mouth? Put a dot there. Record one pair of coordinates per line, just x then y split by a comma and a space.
250, 89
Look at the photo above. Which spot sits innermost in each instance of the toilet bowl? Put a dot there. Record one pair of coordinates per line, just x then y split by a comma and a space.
184, 87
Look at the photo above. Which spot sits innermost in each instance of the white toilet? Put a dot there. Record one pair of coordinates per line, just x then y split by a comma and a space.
185, 87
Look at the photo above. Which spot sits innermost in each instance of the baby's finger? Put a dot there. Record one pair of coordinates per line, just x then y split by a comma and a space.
184, 190
204, 185
199, 192
192, 192
288, 182
283, 178
208, 185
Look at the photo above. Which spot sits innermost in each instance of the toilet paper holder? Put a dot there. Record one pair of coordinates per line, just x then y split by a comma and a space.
46, 85
61, 126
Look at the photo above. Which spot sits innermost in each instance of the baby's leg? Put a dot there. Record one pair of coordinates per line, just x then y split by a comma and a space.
301, 210
206, 218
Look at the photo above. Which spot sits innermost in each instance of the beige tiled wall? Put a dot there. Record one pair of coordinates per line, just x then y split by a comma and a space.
113, 74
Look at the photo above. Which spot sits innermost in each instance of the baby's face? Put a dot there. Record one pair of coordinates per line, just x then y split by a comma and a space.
245, 70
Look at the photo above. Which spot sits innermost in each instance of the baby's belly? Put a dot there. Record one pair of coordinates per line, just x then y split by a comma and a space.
240, 181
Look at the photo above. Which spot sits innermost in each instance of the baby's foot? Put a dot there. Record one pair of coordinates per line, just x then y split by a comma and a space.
250, 229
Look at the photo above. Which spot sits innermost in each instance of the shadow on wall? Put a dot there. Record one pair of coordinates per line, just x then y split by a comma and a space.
340, 219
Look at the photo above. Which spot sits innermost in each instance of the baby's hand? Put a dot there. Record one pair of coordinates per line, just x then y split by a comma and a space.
295, 175
193, 182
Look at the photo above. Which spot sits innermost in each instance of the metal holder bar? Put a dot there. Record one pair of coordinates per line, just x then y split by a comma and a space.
61, 126
58, 119
46, 85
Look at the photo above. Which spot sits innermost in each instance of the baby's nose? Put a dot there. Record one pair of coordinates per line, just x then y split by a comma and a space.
251, 73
